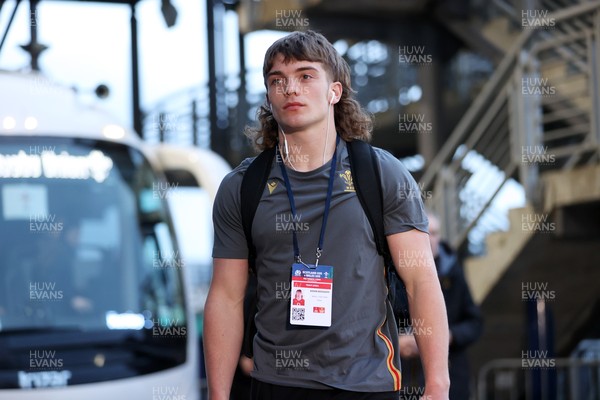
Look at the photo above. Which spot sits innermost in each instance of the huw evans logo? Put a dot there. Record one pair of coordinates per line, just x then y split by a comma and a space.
45, 223
282, 290
167, 123
44, 291
287, 85
44, 359
537, 359
290, 359
531, 222
537, 87
531, 155
167, 260
414, 393
413, 55
167, 393
287, 223
44, 86
408, 191
168, 327
293, 156
290, 19
533, 291
413, 123
537, 19
414, 326
415, 259
39, 150
164, 190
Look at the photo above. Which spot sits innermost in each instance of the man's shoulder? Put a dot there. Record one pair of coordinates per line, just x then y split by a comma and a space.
389, 165
391, 169
384, 156
232, 182
235, 176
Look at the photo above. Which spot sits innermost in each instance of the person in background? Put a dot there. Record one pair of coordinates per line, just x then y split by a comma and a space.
464, 319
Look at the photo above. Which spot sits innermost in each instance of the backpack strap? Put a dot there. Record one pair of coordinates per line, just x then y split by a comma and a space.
253, 183
252, 187
367, 182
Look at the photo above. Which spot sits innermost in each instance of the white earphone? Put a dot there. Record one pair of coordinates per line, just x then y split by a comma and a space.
285, 144
332, 98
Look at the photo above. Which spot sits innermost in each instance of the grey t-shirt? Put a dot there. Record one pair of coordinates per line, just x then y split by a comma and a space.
359, 352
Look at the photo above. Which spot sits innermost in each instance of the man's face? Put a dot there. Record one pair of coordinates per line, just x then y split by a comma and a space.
434, 235
299, 93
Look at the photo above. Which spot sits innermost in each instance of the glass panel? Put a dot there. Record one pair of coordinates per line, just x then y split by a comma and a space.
84, 242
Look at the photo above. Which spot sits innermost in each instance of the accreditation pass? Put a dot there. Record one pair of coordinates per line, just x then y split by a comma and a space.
311, 295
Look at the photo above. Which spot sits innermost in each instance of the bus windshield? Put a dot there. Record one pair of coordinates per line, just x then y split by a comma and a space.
84, 240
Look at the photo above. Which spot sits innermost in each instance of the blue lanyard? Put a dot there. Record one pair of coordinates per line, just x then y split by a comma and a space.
290, 195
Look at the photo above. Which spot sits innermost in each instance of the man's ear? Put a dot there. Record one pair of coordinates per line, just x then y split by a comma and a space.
337, 89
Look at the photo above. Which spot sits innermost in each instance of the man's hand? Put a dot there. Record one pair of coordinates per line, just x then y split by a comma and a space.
408, 346
246, 364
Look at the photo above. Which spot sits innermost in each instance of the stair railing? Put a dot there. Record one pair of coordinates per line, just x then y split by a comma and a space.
523, 122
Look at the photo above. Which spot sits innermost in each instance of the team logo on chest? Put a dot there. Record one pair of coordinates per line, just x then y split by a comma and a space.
347, 177
271, 185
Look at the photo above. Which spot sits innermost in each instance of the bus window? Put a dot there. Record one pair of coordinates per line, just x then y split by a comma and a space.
88, 263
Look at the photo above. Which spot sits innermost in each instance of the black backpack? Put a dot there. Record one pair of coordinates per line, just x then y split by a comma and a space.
367, 183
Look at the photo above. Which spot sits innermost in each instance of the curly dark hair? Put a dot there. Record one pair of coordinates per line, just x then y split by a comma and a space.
351, 120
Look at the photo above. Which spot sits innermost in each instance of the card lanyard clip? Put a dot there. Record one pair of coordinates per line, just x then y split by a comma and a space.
299, 261
318, 254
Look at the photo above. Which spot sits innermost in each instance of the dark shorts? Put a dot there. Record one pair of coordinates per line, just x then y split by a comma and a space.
267, 391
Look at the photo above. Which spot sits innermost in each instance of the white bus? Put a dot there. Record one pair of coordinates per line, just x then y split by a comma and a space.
94, 292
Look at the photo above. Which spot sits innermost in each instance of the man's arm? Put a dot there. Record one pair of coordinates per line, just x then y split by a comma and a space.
411, 252
224, 324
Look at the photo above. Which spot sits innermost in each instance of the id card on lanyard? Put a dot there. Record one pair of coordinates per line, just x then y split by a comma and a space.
311, 295
311, 284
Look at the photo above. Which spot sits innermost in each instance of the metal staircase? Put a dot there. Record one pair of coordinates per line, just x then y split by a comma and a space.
534, 115
535, 125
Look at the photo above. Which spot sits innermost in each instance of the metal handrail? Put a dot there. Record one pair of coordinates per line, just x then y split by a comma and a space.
491, 90
515, 366
505, 92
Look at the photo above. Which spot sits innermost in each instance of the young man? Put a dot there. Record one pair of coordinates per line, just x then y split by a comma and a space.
343, 343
